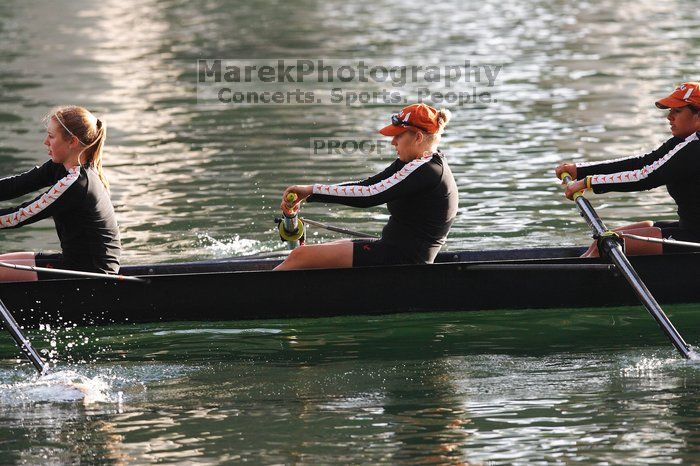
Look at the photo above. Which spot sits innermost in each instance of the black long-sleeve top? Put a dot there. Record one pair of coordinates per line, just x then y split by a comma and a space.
421, 196
675, 164
80, 206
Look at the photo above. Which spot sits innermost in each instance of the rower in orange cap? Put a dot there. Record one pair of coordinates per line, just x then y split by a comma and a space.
676, 164
418, 189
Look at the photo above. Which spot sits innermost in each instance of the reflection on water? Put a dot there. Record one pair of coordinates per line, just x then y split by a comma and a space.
573, 86
514, 388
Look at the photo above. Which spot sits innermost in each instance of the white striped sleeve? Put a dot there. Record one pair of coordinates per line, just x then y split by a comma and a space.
643, 173
602, 162
374, 189
39, 207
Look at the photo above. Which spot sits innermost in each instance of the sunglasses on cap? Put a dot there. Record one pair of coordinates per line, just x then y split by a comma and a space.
397, 121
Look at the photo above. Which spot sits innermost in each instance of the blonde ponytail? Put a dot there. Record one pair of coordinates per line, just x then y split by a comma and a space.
96, 147
90, 132
444, 116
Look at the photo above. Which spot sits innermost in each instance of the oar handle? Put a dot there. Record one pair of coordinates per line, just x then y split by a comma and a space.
291, 198
567, 179
289, 201
291, 228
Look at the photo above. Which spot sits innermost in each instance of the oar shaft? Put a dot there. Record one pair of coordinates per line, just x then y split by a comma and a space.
674, 242
618, 257
338, 229
24, 345
72, 273
640, 289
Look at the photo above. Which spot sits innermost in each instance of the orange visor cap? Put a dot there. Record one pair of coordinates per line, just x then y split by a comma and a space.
418, 116
685, 94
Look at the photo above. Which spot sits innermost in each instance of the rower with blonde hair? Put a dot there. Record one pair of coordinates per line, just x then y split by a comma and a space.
418, 189
77, 199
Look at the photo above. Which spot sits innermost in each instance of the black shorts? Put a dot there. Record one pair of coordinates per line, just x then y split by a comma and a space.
52, 260
673, 230
49, 261
377, 252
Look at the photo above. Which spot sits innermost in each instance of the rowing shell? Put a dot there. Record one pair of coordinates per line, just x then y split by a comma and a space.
239, 289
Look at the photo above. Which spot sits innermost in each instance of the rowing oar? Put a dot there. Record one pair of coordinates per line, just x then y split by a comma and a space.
671, 242
611, 247
337, 229
290, 226
24, 344
73, 273
11, 324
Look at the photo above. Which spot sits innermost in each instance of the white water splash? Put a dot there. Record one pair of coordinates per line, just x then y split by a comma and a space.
694, 356
63, 341
231, 247
647, 367
64, 385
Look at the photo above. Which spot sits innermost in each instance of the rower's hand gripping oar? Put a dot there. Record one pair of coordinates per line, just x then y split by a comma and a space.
22, 342
610, 245
290, 227
291, 232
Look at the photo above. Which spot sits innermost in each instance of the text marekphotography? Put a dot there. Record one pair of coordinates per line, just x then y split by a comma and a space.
343, 82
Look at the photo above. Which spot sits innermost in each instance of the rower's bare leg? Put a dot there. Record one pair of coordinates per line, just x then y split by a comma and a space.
592, 250
337, 254
19, 258
635, 247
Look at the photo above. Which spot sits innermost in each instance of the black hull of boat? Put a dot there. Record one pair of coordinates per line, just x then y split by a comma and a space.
246, 289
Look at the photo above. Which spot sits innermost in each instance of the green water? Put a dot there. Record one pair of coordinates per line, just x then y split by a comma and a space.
191, 180
550, 386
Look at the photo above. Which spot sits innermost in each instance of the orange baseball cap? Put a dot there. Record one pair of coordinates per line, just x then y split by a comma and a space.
419, 116
685, 94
